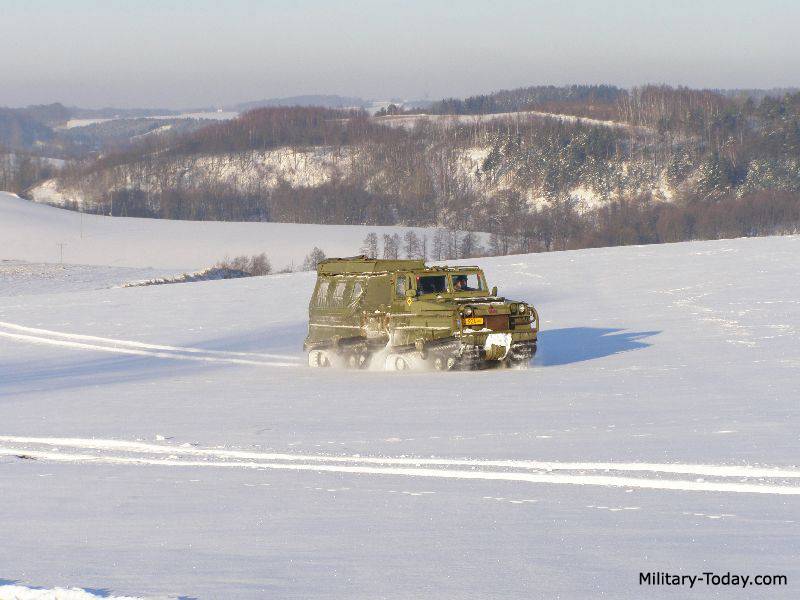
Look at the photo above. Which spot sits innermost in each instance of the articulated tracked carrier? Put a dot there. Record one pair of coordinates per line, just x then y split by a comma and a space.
405, 314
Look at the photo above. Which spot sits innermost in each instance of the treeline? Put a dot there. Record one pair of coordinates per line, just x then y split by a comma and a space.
636, 221
641, 220
334, 202
20, 131
597, 101
20, 170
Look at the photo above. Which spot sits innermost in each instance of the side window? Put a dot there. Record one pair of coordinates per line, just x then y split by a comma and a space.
338, 293
322, 294
358, 289
400, 286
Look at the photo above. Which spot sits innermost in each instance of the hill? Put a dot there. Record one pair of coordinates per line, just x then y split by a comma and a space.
34, 233
581, 166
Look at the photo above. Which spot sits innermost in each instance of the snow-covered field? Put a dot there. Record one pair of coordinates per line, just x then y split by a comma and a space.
169, 441
34, 233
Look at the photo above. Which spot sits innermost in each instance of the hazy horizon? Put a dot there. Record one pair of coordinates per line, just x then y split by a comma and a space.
185, 54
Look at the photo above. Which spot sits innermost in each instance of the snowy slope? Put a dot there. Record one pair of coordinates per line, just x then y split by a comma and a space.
168, 440
244, 171
33, 232
18, 278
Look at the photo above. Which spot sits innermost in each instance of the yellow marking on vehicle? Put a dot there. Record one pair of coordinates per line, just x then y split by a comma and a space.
473, 320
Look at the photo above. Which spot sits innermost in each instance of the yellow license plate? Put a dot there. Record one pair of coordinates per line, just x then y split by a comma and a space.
473, 320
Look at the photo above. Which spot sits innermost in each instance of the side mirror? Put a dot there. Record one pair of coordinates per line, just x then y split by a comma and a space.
411, 293
494, 291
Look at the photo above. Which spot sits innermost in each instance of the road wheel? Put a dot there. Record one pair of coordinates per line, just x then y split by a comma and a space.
396, 362
319, 359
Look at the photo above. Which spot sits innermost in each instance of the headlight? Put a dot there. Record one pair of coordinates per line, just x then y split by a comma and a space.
513, 308
522, 309
467, 311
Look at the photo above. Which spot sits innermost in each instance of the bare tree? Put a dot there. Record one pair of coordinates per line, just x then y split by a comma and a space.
369, 247
260, 265
412, 246
452, 244
255, 265
313, 259
391, 246
469, 246
440, 245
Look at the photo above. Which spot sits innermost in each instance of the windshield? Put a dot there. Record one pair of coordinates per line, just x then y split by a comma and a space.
468, 282
431, 284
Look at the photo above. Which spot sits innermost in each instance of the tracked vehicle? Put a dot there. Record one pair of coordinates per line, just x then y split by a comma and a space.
402, 314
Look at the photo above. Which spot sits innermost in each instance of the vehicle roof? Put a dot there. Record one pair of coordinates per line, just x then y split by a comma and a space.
362, 264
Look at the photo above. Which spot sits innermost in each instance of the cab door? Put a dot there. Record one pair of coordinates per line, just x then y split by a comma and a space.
400, 283
399, 316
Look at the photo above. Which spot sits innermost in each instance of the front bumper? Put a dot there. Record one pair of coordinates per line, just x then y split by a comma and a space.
518, 346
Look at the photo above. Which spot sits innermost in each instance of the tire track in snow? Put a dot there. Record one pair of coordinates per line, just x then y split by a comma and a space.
71, 340
741, 471
133, 344
137, 453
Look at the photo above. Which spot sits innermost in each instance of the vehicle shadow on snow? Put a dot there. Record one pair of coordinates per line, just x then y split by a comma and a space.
22, 377
281, 338
578, 344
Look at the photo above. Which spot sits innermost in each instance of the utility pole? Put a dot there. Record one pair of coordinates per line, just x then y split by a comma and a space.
61, 252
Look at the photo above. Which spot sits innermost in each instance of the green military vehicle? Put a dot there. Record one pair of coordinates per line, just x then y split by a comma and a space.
402, 314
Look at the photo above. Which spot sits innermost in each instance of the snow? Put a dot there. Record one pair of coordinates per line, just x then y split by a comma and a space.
298, 167
209, 274
72, 123
503, 340
33, 232
171, 441
18, 278
216, 115
49, 192
21, 592
587, 196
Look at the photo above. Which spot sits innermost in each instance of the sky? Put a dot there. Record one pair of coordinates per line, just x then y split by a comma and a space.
199, 53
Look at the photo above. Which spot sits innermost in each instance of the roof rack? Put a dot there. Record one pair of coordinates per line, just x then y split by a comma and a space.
362, 264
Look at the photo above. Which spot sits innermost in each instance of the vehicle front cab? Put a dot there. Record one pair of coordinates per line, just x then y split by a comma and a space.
455, 302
